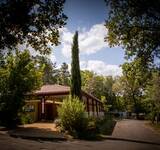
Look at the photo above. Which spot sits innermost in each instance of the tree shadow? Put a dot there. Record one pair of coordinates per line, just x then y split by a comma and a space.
35, 133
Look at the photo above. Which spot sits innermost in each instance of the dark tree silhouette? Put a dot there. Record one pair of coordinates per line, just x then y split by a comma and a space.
75, 69
34, 23
135, 24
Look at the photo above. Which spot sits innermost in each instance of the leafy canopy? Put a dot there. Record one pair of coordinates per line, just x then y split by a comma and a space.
52, 74
34, 23
134, 80
135, 25
152, 95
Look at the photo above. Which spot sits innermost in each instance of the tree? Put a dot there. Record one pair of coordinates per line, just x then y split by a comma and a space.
134, 80
118, 89
135, 25
2, 60
73, 117
50, 72
87, 77
34, 23
92, 83
152, 96
75, 69
64, 75
19, 76
110, 95
99, 86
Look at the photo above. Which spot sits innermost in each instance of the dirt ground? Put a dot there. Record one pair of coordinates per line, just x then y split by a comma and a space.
41, 125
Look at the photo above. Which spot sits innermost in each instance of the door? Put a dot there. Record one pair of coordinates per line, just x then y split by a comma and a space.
49, 111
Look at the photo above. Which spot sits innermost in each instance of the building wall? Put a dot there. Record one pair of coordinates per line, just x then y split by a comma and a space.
31, 107
92, 106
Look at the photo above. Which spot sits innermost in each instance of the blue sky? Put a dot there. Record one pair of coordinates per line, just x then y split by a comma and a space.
88, 17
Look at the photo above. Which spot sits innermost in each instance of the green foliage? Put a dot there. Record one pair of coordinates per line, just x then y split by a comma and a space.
134, 80
106, 125
100, 86
75, 69
87, 83
25, 118
72, 116
50, 72
152, 94
34, 23
135, 25
19, 76
99, 126
64, 75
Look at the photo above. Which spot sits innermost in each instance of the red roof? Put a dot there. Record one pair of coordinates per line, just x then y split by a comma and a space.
53, 89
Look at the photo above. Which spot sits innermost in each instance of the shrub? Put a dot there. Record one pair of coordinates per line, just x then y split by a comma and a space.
72, 116
57, 122
25, 119
106, 125
92, 130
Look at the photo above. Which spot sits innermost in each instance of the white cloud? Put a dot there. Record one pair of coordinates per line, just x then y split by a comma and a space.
101, 68
90, 41
52, 57
34, 52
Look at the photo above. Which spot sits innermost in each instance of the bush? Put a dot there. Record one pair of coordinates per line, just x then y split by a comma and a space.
106, 125
25, 119
73, 117
57, 122
92, 130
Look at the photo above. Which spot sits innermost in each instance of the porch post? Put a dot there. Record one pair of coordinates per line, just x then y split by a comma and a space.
43, 108
93, 107
97, 108
87, 105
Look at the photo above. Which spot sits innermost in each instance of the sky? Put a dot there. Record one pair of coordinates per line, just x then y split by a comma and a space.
88, 17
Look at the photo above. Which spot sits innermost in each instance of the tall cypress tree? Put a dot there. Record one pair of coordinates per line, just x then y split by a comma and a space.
75, 69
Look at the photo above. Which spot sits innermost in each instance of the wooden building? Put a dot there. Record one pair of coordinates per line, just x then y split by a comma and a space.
43, 103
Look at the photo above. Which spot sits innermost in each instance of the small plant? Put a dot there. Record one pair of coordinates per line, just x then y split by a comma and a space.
57, 122
72, 116
25, 119
106, 125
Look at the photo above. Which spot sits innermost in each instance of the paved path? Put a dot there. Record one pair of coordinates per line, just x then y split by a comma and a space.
135, 130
